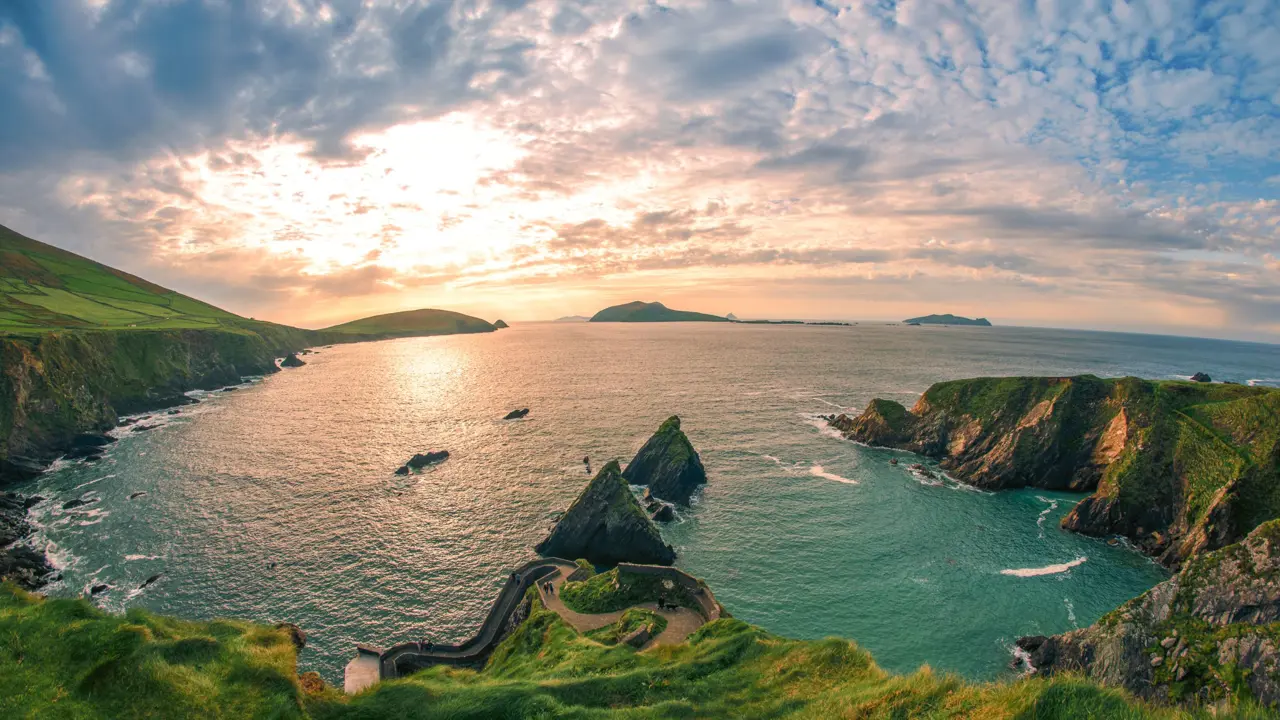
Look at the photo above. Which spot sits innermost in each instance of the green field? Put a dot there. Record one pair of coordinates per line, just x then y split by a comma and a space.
412, 323
44, 288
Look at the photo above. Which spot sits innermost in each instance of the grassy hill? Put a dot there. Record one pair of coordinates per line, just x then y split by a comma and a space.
412, 323
651, 312
947, 319
44, 288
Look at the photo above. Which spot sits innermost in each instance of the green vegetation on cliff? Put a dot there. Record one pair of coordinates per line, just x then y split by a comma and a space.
651, 312
413, 323
667, 464
1179, 467
617, 589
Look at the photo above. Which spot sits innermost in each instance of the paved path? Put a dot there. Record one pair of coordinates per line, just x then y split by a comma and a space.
361, 673
681, 622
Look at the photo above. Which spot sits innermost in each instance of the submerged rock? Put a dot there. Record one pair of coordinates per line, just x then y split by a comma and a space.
516, 414
668, 465
663, 513
402, 470
292, 361
150, 580
78, 502
606, 526
1177, 642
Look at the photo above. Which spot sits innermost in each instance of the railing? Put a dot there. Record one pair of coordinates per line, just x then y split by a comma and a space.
405, 658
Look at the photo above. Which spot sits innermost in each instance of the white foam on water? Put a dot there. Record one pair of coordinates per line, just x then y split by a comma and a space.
95, 480
141, 557
817, 471
1053, 505
1046, 570
1022, 659
828, 402
822, 426
1071, 612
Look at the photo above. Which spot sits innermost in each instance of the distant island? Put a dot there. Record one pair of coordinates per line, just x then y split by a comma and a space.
947, 319
651, 312
573, 318
413, 323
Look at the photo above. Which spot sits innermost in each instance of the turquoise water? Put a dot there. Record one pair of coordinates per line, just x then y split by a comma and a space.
277, 501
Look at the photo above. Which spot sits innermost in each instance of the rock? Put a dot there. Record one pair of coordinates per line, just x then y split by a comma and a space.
419, 460
292, 361
32, 501
296, 634
143, 428
20, 469
86, 451
1201, 377
135, 496
13, 518
150, 580
78, 502
91, 440
28, 568
606, 526
164, 400
893, 461
1232, 593
516, 414
173, 412
500, 325
664, 513
233, 388
638, 637
98, 589
402, 470
668, 465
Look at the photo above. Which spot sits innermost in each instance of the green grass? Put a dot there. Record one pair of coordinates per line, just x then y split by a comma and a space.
651, 312
67, 659
413, 323
616, 590
633, 619
728, 669
44, 288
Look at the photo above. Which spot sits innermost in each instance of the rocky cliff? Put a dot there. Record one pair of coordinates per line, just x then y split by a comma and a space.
1177, 467
1210, 632
606, 525
668, 465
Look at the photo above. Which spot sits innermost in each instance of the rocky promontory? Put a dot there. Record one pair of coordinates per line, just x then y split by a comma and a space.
606, 525
1210, 632
668, 465
1177, 467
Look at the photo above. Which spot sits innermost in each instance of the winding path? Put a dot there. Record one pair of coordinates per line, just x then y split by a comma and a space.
373, 664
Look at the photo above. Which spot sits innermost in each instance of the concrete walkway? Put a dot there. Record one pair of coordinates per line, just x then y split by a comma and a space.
681, 622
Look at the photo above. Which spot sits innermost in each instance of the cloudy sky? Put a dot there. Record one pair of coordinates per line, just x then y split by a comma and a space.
1083, 163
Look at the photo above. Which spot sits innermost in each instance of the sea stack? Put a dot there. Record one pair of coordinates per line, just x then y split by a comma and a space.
607, 526
500, 325
668, 465
292, 361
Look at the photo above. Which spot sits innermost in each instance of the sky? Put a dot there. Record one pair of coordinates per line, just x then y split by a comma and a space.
1066, 163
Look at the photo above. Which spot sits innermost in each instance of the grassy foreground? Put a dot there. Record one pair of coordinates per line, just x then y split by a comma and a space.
66, 659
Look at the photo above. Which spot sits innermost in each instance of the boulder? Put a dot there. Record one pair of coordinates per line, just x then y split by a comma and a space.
1201, 377
606, 526
402, 470
668, 465
292, 361
99, 588
664, 513
516, 414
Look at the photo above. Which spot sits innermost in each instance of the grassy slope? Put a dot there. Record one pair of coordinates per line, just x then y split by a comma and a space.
413, 323
728, 669
44, 288
615, 590
67, 659
651, 312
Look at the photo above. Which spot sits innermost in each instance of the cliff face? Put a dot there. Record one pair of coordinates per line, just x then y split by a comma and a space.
1177, 467
668, 465
1210, 632
606, 525
56, 385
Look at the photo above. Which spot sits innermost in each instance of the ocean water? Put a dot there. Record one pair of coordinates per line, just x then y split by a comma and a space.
277, 502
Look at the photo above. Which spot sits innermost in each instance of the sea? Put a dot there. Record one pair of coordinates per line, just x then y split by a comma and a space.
277, 501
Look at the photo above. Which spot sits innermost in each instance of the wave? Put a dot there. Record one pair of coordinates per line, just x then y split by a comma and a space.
1269, 382
817, 471
1046, 570
1053, 505
1071, 612
823, 428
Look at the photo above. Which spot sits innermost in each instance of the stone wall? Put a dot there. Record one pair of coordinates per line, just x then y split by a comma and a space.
707, 603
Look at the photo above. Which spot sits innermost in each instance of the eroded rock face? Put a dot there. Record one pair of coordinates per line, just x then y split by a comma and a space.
668, 465
606, 525
296, 634
1207, 633
1178, 468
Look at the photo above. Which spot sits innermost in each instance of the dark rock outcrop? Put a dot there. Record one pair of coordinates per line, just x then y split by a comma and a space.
1175, 467
91, 440
1201, 377
668, 465
150, 581
402, 470
1212, 631
296, 634
606, 525
18, 562
292, 361
663, 513
79, 502
421, 460
516, 414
